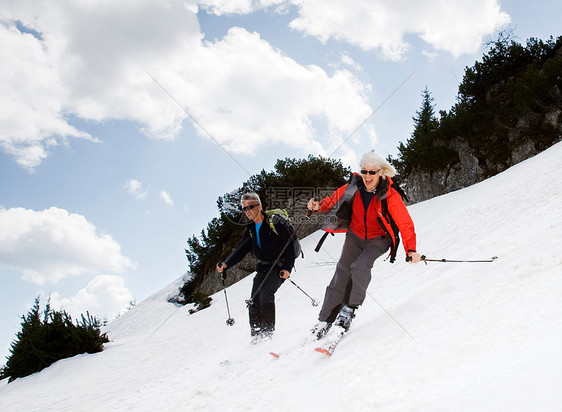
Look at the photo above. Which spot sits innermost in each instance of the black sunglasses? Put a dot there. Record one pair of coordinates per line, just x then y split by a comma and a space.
250, 207
371, 172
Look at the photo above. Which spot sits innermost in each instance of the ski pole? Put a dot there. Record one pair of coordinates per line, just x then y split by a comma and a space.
408, 258
314, 301
250, 302
229, 321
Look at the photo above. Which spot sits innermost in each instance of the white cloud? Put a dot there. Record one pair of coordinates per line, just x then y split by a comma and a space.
86, 60
250, 94
134, 188
50, 245
106, 296
456, 27
92, 61
346, 59
32, 98
459, 27
220, 7
165, 196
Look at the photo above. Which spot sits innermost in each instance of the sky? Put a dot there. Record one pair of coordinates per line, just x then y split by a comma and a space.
121, 124
439, 337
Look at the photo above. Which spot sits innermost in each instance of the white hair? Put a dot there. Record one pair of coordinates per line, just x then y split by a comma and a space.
250, 196
374, 160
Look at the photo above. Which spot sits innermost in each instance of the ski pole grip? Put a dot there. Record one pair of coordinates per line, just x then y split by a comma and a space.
309, 211
409, 258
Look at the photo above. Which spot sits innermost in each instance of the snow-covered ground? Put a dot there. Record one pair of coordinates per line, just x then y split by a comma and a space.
435, 337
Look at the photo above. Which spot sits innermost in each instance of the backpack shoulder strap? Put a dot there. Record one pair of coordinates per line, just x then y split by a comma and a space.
321, 241
384, 207
396, 186
274, 216
270, 219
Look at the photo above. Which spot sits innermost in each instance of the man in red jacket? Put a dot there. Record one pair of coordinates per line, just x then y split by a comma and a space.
370, 234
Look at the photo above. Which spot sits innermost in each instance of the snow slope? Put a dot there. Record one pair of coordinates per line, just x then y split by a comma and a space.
435, 337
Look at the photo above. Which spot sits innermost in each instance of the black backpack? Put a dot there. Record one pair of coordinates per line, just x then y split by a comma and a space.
388, 216
273, 216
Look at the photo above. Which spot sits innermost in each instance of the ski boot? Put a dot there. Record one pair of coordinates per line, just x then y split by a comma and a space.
267, 335
259, 336
345, 317
255, 334
320, 329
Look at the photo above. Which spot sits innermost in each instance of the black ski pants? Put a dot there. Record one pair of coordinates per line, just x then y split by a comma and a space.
262, 310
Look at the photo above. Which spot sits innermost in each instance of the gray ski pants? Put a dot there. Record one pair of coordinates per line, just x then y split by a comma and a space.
353, 274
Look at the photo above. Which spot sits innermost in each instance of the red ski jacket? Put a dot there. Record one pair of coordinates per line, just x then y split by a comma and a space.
373, 223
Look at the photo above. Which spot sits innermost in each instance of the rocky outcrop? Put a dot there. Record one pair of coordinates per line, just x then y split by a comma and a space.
425, 185
470, 169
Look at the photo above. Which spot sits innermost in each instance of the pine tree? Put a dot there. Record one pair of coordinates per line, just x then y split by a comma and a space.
43, 342
419, 146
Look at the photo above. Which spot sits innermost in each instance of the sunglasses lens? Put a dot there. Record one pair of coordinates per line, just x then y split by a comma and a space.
249, 207
371, 172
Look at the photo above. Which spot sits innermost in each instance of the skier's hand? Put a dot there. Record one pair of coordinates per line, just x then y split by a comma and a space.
313, 204
413, 257
284, 274
221, 266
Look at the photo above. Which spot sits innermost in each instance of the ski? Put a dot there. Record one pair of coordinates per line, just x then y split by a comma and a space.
305, 342
331, 344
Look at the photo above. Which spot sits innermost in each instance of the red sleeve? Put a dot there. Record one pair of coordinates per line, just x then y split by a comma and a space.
328, 202
402, 218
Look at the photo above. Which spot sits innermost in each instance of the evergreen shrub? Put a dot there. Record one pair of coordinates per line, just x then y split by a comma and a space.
47, 339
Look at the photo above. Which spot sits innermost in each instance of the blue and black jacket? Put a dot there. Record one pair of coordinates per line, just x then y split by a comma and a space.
271, 246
